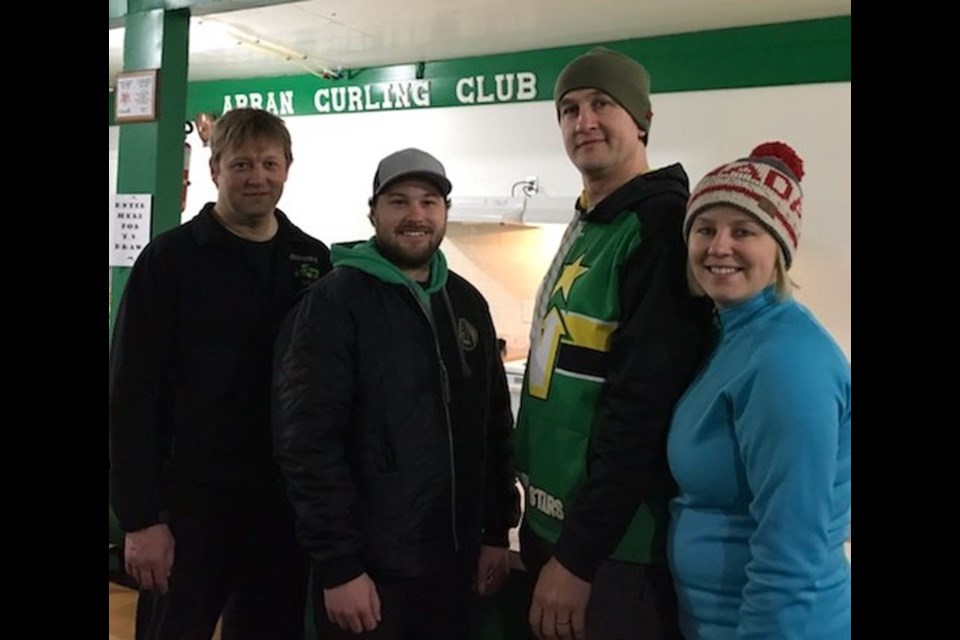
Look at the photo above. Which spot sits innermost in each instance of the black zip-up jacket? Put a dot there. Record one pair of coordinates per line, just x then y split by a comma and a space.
385, 475
191, 362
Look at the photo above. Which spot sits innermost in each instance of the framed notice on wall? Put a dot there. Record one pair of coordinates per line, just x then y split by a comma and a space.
136, 97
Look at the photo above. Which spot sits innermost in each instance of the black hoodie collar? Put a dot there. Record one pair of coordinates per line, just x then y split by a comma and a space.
634, 191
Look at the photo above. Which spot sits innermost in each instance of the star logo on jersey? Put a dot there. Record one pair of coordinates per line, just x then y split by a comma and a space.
567, 277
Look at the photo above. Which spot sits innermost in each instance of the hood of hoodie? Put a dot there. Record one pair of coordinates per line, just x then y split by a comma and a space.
365, 257
632, 193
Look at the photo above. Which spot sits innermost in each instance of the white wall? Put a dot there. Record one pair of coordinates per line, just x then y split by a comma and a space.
114, 144
487, 149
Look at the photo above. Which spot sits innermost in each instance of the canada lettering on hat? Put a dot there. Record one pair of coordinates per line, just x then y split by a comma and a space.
769, 176
766, 185
779, 183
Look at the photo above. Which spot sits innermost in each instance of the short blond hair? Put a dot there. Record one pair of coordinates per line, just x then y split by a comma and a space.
784, 284
239, 126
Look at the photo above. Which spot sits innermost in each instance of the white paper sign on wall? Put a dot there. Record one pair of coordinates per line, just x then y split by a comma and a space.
130, 227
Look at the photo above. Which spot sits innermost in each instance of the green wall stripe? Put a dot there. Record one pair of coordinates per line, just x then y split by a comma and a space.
809, 51
781, 54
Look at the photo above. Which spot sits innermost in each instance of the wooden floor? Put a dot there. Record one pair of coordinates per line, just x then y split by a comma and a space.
123, 613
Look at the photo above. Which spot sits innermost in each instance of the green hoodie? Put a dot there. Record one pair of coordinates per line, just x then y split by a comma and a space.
365, 257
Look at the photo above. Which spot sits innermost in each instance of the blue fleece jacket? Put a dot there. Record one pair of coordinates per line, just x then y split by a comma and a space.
760, 449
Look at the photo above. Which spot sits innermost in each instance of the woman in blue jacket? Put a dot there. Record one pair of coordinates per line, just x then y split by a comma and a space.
760, 442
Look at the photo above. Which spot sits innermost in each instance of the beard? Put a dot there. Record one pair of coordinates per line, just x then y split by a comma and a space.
406, 257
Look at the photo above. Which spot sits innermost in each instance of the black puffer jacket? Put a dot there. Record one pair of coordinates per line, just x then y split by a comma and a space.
374, 457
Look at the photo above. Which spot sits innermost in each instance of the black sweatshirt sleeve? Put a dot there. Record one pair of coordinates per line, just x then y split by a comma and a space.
143, 340
655, 352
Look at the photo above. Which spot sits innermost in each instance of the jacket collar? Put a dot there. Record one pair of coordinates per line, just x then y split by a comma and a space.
739, 315
209, 231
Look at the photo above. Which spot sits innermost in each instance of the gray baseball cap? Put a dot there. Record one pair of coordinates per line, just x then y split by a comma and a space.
410, 163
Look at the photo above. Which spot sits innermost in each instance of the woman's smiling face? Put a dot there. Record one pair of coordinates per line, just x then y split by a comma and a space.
731, 255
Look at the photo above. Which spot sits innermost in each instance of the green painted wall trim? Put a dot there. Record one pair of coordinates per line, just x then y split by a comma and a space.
771, 55
118, 9
810, 51
151, 153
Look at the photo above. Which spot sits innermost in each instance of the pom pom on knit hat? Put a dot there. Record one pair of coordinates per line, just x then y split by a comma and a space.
765, 185
784, 153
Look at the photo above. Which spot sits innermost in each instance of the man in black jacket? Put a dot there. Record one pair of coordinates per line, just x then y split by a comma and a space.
392, 421
193, 481
615, 339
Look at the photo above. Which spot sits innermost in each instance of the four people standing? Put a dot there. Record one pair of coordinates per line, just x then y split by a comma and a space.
391, 417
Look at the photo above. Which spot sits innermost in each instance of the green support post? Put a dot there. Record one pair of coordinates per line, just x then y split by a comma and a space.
150, 154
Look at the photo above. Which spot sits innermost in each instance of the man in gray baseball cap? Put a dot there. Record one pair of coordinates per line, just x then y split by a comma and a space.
393, 422
408, 210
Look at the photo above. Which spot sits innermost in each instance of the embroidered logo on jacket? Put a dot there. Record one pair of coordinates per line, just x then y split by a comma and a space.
468, 334
307, 272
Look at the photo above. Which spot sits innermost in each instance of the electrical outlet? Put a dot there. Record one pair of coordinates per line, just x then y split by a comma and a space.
533, 185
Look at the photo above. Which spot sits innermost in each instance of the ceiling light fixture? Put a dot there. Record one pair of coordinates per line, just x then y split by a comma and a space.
238, 36
265, 45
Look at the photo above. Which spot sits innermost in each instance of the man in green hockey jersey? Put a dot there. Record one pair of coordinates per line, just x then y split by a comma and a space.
616, 337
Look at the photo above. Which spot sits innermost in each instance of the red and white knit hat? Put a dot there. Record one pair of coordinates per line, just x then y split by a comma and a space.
765, 185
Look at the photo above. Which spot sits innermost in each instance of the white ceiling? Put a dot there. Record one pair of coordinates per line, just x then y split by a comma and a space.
345, 34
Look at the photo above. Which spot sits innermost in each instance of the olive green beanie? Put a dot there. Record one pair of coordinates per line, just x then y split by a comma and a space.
621, 77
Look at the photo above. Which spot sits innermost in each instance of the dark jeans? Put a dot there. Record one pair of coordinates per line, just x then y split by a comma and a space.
235, 555
431, 607
627, 601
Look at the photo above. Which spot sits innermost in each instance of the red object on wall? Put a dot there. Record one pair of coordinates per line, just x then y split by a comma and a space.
204, 122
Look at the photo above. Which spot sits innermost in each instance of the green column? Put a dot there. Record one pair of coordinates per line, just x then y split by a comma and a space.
150, 154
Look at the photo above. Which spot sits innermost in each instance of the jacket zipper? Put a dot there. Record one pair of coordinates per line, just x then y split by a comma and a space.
445, 392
